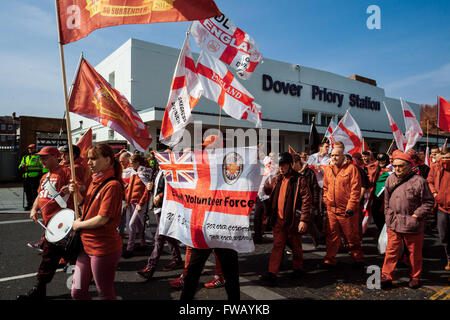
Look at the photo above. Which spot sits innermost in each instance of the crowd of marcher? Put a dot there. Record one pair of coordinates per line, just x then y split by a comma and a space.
329, 195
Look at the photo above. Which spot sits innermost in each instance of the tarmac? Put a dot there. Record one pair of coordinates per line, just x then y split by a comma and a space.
19, 264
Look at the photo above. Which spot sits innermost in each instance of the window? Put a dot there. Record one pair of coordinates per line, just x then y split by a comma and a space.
3, 126
307, 117
325, 119
94, 137
3, 138
111, 134
10, 127
112, 79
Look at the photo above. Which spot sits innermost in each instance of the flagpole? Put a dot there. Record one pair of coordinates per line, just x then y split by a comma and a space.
427, 132
220, 116
390, 146
66, 102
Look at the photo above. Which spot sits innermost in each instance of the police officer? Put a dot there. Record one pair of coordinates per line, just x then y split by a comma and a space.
31, 168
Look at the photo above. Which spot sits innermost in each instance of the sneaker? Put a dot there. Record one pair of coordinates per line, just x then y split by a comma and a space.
269, 279
62, 263
146, 273
35, 246
215, 282
174, 264
178, 283
414, 283
35, 293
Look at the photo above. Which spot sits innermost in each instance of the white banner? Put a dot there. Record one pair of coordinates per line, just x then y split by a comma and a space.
209, 196
184, 95
221, 39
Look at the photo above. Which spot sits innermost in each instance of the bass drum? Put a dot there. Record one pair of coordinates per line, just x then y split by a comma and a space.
59, 227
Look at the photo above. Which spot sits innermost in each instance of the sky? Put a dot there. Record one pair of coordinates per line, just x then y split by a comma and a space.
409, 56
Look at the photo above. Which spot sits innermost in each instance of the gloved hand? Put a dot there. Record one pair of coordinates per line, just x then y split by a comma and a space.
349, 213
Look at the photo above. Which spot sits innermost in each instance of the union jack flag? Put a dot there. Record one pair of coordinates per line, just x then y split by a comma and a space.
177, 167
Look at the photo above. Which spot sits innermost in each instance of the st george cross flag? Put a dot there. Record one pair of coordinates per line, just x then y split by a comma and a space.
78, 18
444, 114
221, 39
94, 98
400, 139
209, 196
331, 127
413, 129
427, 156
220, 85
348, 132
184, 95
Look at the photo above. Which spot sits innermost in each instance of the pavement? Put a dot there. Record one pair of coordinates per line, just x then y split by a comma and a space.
19, 263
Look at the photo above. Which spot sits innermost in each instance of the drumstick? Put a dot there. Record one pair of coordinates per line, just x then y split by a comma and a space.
42, 225
40, 209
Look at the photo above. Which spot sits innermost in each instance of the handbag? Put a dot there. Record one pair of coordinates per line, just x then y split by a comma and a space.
74, 244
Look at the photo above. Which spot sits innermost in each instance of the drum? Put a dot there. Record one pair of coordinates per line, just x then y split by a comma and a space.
60, 227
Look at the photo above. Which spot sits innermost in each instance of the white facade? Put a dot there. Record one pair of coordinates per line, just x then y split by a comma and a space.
143, 72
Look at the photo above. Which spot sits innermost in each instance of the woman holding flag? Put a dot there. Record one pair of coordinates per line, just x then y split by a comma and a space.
102, 244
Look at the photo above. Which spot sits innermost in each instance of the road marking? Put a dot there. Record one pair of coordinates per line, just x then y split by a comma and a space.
15, 221
441, 294
23, 276
259, 292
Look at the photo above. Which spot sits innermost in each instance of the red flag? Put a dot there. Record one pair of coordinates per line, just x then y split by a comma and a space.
93, 98
78, 18
444, 114
291, 150
85, 142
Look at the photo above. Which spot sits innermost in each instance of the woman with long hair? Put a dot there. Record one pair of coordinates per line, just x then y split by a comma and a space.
100, 217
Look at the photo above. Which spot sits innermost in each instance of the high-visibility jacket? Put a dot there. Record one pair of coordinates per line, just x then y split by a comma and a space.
31, 165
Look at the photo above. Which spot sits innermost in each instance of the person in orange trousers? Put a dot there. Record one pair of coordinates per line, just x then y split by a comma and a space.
341, 195
290, 205
407, 202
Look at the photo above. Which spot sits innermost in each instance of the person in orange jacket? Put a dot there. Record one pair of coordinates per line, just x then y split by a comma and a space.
341, 195
439, 182
136, 198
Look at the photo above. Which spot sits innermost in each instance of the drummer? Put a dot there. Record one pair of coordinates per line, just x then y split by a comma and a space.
102, 244
47, 205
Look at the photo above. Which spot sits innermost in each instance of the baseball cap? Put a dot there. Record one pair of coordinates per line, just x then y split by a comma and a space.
76, 149
48, 151
31, 146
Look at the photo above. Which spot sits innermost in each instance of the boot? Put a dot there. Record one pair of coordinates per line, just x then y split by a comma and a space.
38, 292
